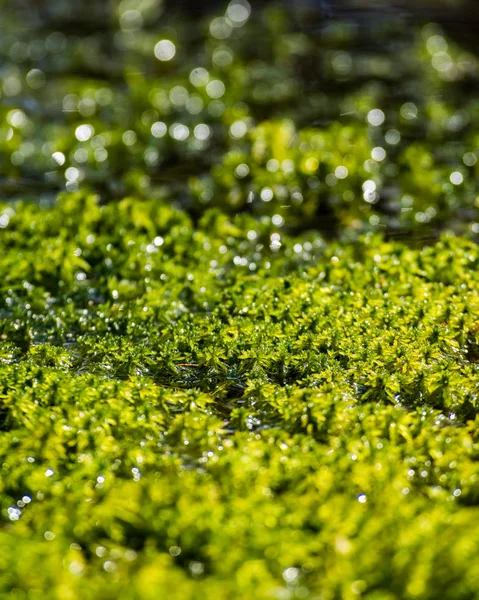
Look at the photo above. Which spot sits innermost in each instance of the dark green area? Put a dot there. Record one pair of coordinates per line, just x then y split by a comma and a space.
221, 374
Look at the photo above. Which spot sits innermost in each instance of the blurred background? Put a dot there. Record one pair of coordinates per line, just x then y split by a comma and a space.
344, 116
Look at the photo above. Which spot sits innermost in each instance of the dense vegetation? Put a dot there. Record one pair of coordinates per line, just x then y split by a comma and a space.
239, 350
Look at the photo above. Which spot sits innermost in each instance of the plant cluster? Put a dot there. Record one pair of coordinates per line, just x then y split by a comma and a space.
221, 376
343, 130
221, 411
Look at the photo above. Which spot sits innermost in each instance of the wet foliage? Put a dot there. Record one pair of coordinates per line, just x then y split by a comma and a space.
339, 125
221, 374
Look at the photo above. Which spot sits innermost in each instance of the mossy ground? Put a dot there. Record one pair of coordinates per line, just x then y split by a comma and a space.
238, 384
174, 423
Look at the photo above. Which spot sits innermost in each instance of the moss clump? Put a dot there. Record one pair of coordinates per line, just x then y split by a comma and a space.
221, 375
223, 411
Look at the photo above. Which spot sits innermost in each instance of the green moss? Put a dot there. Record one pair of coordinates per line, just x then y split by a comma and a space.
221, 376
322, 124
174, 418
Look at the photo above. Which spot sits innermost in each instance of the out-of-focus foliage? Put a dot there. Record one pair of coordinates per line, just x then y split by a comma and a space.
337, 125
